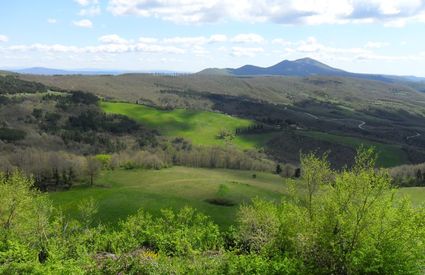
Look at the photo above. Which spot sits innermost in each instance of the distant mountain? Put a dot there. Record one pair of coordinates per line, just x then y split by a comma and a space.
302, 68
50, 71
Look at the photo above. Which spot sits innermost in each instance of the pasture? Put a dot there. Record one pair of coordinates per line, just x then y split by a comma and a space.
201, 127
120, 193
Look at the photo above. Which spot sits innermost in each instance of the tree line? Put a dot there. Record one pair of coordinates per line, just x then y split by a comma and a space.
409, 175
345, 222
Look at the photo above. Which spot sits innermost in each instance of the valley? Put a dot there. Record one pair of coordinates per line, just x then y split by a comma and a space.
256, 137
205, 153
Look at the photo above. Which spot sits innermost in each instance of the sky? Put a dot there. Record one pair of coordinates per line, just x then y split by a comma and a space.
375, 36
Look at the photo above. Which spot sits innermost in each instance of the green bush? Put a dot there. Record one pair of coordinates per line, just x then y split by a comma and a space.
11, 135
349, 223
182, 233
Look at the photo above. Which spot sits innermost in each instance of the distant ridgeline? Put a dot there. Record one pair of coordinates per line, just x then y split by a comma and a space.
11, 84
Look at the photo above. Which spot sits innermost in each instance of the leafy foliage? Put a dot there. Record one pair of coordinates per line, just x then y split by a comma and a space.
12, 85
10, 135
358, 226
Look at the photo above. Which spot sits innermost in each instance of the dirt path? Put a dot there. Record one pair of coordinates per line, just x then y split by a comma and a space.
414, 136
361, 124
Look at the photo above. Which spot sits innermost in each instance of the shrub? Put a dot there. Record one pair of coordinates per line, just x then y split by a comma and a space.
357, 225
182, 233
258, 226
10, 135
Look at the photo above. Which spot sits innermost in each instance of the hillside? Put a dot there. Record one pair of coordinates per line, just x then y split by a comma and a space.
200, 127
303, 67
121, 193
373, 111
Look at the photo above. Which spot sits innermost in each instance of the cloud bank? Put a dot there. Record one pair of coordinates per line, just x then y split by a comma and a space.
392, 13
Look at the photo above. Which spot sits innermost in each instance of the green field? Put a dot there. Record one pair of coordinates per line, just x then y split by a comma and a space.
201, 127
120, 193
415, 194
388, 155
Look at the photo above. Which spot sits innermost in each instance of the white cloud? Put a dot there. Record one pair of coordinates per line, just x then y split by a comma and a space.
376, 45
85, 3
112, 39
52, 21
3, 38
148, 40
397, 23
248, 38
148, 48
186, 40
84, 23
391, 13
372, 56
91, 11
104, 48
89, 7
311, 47
217, 38
46, 48
196, 40
281, 42
209, 46
200, 51
243, 51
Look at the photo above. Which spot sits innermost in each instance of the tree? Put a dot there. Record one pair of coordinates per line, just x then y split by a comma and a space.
314, 172
278, 169
419, 178
93, 168
357, 226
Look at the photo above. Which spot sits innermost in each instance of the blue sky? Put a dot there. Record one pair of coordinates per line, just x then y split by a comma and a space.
375, 36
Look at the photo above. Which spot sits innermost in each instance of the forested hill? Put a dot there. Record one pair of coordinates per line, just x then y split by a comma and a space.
302, 68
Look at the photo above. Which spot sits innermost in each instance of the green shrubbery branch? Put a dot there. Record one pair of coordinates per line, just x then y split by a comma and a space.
345, 222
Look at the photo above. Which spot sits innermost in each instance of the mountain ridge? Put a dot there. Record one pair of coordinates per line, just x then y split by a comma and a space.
303, 67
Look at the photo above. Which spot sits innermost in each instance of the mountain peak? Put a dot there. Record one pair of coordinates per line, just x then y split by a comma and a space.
307, 60
302, 67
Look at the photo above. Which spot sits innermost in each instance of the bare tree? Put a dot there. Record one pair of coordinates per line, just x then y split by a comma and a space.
93, 168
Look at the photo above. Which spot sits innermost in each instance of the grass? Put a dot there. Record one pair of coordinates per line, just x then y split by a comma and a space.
201, 127
120, 193
217, 193
388, 155
415, 194
255, 140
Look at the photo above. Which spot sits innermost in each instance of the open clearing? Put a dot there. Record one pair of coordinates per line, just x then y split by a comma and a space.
201, 127
415, 194
120, 193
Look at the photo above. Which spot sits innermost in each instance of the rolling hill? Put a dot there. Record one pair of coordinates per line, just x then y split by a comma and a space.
287, 106
303, 67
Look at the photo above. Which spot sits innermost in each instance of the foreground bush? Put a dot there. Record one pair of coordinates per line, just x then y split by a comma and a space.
340, 223
344, 223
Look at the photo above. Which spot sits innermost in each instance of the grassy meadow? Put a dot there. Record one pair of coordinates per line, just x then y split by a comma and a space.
120, 193
201, 127
415, 194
